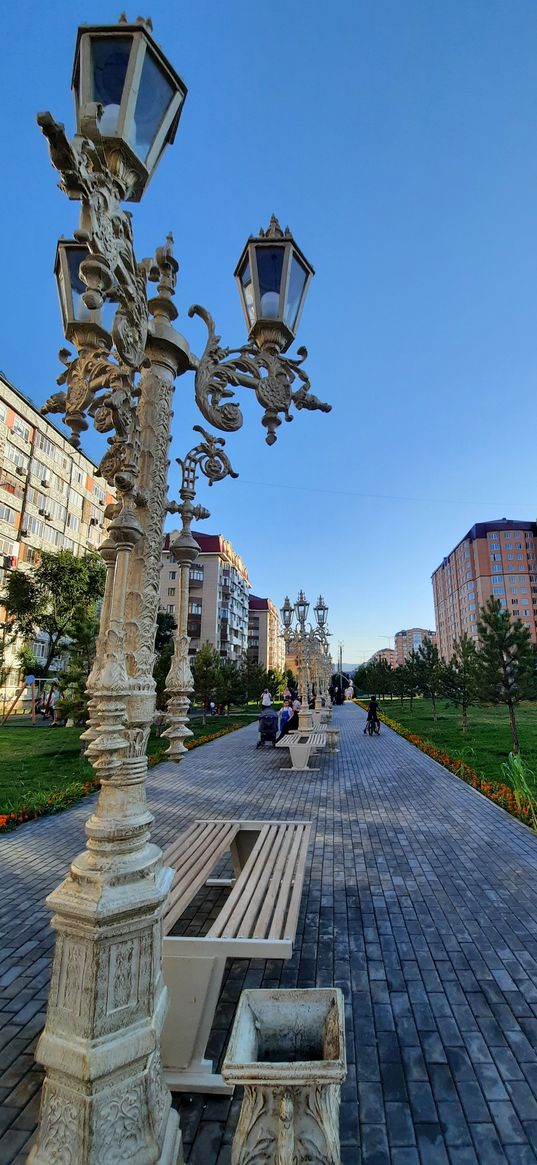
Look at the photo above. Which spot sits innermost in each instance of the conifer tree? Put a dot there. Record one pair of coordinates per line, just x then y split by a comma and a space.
506, 661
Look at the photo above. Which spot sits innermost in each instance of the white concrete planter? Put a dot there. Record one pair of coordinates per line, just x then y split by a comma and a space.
332, 739
288, 1050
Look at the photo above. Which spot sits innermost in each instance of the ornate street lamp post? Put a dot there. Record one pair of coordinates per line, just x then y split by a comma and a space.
104, 1099
311, 649
209, 457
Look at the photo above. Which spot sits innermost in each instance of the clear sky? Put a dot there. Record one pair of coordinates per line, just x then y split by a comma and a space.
398, 140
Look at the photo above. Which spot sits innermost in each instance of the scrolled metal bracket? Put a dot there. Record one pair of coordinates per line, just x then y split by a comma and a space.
269, 373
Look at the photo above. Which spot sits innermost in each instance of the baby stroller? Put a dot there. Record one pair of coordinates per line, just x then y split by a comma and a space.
268, 727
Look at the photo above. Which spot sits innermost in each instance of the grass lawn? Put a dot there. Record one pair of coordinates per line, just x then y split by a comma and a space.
34, 761
488, 740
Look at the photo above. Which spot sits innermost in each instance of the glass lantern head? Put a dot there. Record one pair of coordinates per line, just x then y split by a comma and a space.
302, 607
76, 317
120, 68
273, 277
286, 613
321, 612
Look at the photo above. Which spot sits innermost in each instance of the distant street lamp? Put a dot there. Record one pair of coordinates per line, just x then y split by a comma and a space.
310, 645
104, 1100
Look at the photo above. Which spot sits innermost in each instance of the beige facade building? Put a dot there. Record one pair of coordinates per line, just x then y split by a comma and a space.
494, 558
218, 595
265, 642
386, 653
410, 640
51, 498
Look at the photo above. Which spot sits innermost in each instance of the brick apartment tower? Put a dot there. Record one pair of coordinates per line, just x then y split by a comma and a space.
493, 558
218, 595
410, 640
265, 642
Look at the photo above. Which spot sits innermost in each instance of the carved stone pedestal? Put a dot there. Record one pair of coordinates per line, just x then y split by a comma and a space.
332, 739
288, 1050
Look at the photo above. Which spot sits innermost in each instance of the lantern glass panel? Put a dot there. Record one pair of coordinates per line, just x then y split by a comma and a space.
110, 58
269, 272
76, 256
295, 291
154, 97
248, 292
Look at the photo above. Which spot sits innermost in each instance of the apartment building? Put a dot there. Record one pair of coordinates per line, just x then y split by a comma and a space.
51, 498
386, 653
218, 595
494, 558
410, 640
265, 642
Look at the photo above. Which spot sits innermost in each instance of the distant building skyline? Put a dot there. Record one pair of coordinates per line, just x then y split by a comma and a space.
495, 558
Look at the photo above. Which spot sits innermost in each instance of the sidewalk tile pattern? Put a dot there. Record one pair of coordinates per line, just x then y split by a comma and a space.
419, 902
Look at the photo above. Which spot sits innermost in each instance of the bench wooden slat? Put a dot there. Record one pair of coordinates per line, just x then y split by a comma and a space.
272, 899
186, 842
223, 919
194, 873
279, 920
202, 845
290, 920
266, 865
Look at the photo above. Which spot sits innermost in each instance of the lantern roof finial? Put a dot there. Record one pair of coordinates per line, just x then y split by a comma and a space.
274, 230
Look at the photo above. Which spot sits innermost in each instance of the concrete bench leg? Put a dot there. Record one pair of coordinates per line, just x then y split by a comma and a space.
300, 755
194, 986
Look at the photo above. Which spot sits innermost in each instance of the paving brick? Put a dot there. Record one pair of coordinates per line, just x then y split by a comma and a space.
419, 902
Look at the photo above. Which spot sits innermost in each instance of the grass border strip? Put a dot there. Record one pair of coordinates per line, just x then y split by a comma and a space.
45, 804
500, 793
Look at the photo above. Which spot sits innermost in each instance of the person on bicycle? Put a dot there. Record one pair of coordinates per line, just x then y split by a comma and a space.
372, 716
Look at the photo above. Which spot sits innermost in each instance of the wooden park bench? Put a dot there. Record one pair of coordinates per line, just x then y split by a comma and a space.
301, 745
258, 921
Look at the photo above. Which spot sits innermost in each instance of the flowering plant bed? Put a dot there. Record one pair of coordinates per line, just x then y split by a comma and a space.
498, 792
53, 796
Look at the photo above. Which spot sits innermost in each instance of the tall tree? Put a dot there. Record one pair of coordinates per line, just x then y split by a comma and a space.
255, 679
230, 683
400, 682
47, 598
411, 672
205, 670
83, 631
506, 661
429, 671
165, 628
460, 681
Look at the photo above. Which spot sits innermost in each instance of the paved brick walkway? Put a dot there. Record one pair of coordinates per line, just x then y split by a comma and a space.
420, 903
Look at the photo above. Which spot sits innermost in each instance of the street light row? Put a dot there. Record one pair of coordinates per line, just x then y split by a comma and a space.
310, 646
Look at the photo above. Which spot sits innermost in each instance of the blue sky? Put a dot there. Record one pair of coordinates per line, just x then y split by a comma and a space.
398, 139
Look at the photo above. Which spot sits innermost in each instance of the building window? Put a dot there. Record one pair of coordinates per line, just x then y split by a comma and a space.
171, 592
21, 429
15, 456
170, 608
7, 514
172, 574
497, 569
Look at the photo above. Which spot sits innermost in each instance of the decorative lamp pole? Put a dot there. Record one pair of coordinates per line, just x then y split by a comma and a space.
208, 456
104, 1099
301, 611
